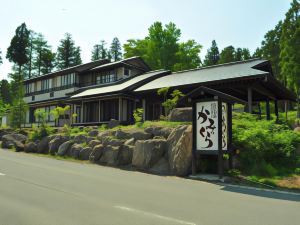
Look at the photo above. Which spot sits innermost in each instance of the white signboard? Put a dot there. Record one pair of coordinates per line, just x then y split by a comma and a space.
207, 126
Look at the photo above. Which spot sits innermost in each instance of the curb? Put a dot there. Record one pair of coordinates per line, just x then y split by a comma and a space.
261, 189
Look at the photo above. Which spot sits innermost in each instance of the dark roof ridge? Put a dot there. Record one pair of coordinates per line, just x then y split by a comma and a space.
220, 65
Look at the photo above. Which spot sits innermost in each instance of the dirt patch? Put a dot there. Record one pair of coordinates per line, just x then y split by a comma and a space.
289, 182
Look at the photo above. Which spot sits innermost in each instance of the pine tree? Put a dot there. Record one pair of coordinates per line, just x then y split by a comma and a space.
0, 57
99, 51
116, 49
47, 61
67, 53
17, 52
212, 57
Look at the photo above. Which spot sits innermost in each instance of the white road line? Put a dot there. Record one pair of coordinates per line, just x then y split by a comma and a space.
154, 215
2, 174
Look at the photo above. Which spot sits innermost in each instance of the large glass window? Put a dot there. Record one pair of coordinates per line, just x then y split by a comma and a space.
67, 79
45, 84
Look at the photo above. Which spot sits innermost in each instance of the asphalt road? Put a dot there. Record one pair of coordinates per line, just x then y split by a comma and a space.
42, 191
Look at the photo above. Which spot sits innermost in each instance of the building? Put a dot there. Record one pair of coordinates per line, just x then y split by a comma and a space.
100, 91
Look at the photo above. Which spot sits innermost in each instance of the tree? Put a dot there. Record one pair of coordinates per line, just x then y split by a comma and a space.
41, 47
17, 53
257, 53
290, 48
68, 54
188, 56
227, 55
99, 51
212, 57
246, 54
5, 92
116, 49
47, 61
161, 48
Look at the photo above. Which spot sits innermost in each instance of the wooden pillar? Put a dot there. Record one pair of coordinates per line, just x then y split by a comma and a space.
120, 109
259, 110
286, 109
276, 110
144, 108
249, 100
229, 143
194, 147
99, 111
220, 150
81, 113
268, 113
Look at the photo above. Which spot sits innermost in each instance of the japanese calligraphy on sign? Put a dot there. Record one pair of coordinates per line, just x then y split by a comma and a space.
207, 126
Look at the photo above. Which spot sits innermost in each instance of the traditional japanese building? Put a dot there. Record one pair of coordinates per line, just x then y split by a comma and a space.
100, 91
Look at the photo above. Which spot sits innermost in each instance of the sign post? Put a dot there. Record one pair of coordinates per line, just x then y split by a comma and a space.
212, 125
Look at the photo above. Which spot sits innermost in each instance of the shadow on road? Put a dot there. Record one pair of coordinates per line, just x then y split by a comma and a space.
262, 193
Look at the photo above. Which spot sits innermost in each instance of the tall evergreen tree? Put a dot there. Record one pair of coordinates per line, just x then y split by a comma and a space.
40, 46
5, 92
257, 53
67, 53
116, 49
47, 61
246, 54
228, 55
28, 67
212, 57
17, 53
99, 51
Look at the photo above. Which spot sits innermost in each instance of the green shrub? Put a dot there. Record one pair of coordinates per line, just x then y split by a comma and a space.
38, 133
138, 116
266, 147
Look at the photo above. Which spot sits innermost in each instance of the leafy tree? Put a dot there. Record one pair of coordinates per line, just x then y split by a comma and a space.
169, 103
161, 48
116, 49
227, 55
42, 49
138, 116
188, 56
17, 53
28, 67
99, 51
246, 54
242, 54
5, 92
257, 53
47, 61
290, 48
59, 112
68, 54
270, 49
212, 57
41, 117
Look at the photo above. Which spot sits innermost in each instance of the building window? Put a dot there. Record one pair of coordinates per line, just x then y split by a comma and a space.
67, 79
32, 98
126, 72
45, 84
51, 94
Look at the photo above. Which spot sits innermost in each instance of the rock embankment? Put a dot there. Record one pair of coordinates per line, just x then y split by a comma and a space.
160, 150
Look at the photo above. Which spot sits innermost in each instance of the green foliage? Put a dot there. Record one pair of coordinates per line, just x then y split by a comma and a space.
138, 116
38, 133
41, 116
17, 113
60, 112
115, 49
99, 51
5, 92
68, 54
234, 172
266, 148
161, 48
171, 103
212, 57
227, 55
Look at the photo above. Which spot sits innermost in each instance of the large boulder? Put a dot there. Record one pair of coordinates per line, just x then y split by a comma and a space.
93, 133
105, 133
136, 134
110, 155
147, 153
113, 123
75, 150
19, 146
96, 153
180, 151
12, 140
84, 154
130, 141
79, 139
161, 167
174, 138
43, 145
93, 143
65, 148
125, 155
159, 131
4, 132
56, 142
30, 147
181, 115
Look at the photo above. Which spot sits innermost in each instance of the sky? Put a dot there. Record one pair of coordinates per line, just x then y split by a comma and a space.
241, 23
